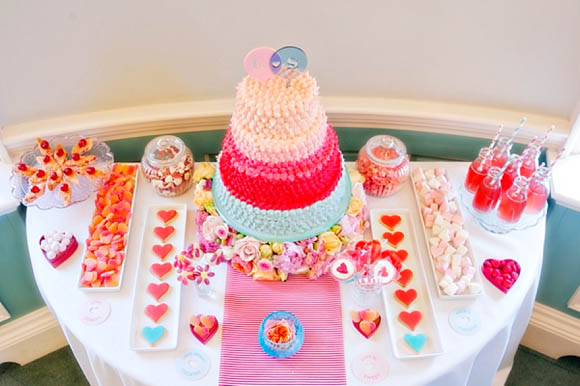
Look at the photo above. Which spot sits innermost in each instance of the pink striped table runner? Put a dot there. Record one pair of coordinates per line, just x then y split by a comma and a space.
316, 303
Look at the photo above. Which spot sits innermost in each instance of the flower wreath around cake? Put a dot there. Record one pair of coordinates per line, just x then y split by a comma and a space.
273, 260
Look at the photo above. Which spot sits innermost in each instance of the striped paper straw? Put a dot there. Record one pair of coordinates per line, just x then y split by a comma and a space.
517, 130
545, 137
558, 156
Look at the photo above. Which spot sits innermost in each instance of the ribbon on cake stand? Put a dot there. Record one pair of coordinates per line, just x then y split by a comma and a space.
263, 63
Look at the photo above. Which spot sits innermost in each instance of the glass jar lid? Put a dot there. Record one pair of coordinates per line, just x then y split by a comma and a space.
164, 150
386, 150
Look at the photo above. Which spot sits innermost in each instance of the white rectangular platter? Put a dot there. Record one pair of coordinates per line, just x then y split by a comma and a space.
428, 323
127, 237
141, 298
475, 286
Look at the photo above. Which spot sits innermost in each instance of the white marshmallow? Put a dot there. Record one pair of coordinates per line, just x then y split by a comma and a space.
54, 245
436, 229
444, 235
461, 250
57, 237
434, 183
51, 254
450, 250
434, 240
429, 173
451, 289
455, 260
474, 288
457, 271
62, 248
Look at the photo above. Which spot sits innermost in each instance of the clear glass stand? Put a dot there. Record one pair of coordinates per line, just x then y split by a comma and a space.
491, 222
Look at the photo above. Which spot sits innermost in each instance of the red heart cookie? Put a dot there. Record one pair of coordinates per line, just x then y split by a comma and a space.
391, 222
501, 273
156, 312
406, 297
401, 254
405, 277
394, 238
163, 232
161, 270
366, 321
167, 216
162, 250
157, 290
203, 327
410, 319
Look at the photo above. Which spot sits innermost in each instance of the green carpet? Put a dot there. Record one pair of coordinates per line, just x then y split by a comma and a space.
60, 369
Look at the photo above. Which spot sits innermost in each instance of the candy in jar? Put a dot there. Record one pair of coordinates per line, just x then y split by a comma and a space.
168, 164
384, 164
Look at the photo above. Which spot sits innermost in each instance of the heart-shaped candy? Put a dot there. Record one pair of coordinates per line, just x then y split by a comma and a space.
416, 342
167, 216
153, 334
503, 274
410, 319
163, 232
157, 290
156, 312
366, 321
162, 250
394, 238
203, 327
161, 270
405, 277
406, 297
391, 222
342, 268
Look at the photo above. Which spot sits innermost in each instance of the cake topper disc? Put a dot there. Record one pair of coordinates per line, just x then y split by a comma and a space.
257, 63
293, 58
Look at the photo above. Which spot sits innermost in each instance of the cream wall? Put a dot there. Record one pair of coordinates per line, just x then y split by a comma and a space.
65, 57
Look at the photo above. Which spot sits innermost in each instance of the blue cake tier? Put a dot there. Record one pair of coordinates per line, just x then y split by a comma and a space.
282, 225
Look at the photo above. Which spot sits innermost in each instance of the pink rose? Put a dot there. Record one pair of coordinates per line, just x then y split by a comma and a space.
209, 227
349, 225
247, 248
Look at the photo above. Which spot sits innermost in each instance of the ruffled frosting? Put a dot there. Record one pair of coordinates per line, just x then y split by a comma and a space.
282, 225
286, 185
279, 121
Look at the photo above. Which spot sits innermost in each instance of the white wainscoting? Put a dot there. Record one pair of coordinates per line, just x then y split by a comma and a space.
342, 112
30, 337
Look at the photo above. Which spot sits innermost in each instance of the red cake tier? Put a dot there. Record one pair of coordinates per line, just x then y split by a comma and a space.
283, 185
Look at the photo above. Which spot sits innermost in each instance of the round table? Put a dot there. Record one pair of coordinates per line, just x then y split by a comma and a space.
103, 350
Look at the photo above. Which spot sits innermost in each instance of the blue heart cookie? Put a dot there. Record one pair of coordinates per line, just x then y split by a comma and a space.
416, 341
152, 335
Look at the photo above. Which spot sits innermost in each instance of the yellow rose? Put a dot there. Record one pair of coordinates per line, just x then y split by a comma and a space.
203, 170
332, 243
355, 176
266, 251
278, 248
355, 207
201, 196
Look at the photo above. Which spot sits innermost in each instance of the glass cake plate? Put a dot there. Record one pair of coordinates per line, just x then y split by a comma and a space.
80, 192
491, 222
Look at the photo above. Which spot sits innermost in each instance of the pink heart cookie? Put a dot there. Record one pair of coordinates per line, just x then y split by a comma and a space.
503, 274
156, 312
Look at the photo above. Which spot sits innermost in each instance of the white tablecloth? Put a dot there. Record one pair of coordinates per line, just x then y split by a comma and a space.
103, 350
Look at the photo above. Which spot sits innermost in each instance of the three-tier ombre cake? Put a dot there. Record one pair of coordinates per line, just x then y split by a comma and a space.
280, 175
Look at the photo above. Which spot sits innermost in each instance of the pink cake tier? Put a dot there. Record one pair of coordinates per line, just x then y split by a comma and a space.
281, 121
283, 185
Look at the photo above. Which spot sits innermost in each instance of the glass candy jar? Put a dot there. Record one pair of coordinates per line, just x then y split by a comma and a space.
384, 164
488, 192
478, 170
168, 165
